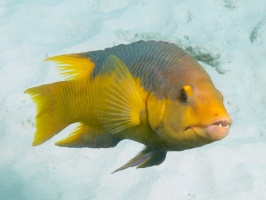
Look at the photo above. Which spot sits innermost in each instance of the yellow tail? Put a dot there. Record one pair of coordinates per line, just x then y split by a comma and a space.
50, 118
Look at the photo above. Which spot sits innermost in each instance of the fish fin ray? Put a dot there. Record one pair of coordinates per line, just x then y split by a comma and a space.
84, 136
73, 66
156, 158
146, 158
121, 101
48, 122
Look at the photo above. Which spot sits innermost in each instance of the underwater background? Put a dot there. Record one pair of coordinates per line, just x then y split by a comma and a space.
228, 37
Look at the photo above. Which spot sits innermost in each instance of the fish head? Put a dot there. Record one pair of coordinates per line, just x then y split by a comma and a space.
192, 115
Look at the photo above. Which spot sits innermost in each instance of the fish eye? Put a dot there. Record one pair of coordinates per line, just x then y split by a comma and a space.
183, 96
186, 94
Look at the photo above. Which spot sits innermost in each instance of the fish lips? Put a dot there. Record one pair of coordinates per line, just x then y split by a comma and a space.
215, 131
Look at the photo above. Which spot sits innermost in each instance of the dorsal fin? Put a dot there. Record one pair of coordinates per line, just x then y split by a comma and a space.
73, 66
121, 101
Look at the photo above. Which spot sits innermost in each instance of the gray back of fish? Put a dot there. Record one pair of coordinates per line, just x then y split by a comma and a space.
150, 61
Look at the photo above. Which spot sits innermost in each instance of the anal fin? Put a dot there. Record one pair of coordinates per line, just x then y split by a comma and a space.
84, 136
146, 158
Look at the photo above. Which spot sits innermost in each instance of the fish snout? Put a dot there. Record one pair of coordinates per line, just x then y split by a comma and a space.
216, 130
219, 129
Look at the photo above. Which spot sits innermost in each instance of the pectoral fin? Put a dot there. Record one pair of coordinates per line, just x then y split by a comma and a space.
121, 101
146, 158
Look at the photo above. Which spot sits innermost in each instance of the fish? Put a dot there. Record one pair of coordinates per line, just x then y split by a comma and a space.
150, 92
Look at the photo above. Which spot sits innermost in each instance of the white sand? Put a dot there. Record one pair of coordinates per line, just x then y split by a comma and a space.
231, 169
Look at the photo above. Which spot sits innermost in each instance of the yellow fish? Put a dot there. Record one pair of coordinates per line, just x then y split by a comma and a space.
151, 92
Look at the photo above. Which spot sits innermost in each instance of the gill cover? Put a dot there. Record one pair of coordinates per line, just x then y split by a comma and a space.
156, 109
160, 109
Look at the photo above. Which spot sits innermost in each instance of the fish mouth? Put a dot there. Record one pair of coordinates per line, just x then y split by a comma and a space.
222, 124
217, 130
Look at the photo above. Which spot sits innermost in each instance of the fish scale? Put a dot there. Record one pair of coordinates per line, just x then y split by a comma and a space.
152, 92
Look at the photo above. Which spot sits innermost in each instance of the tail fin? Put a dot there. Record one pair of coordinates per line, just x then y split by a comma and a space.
49, 119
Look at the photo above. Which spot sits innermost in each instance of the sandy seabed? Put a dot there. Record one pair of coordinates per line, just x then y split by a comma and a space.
231, 32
